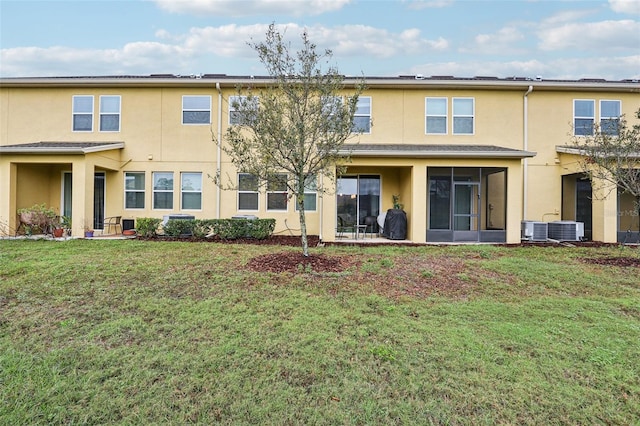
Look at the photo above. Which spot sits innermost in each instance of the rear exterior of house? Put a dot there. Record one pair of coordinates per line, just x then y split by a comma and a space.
468, 159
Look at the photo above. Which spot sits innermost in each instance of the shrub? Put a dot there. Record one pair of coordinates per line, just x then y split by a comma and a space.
36, 218
177, 227
229, 229
147, 226
226, 229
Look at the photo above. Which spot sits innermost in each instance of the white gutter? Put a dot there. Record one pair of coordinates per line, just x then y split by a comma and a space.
525, 177
219, 143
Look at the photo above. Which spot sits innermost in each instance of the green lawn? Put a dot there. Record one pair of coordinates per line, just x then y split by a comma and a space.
138, 332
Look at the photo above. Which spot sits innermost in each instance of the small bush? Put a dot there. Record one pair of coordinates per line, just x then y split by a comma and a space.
226, 229
147, 226
177, 227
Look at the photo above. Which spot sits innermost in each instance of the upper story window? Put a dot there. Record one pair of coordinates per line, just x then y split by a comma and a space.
436, 111
277, 194
247, 192
134, 190
196, 110
610, 117
238, 104
83, 113
163, 190
362, 116
583, 117
463, 116
109, 113
191, 185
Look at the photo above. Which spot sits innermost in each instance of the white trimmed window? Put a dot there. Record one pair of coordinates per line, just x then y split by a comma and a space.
238, 104
463, 116
310, 194
436, 111
610, 117
109, 113
583, 117
134, 190
196, 109
277, 193
82, 113
163, 190
362, 117
247, 192
191, 186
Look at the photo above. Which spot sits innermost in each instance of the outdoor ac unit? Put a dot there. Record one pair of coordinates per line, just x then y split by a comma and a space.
566, 230
533, 231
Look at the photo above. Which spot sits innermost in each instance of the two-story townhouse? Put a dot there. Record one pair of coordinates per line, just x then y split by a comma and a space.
469, 159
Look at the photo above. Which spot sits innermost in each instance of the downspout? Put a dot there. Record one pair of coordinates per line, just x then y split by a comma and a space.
219, 144
321, 178
525, 178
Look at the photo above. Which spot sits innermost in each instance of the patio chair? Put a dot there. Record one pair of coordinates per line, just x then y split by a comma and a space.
371, 223
114, 222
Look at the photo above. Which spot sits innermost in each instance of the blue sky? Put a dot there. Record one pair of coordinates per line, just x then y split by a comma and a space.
525, 38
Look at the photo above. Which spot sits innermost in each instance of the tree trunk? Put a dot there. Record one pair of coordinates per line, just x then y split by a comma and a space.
303, 226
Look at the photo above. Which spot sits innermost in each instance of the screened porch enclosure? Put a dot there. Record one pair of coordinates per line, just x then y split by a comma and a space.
466, 204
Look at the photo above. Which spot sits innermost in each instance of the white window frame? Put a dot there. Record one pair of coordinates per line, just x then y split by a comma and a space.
244, 191
75, 113
137, 191
445, 116
110, 113
607, 117
472, 116
187, 110
367, 115
310, 190
278, 192
233, 119
197, 190
159, 191
584, 117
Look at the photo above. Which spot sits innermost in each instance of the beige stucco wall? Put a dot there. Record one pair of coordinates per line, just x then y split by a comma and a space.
156, 140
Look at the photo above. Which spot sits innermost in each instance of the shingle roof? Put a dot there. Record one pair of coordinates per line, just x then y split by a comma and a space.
434, 151
60, 147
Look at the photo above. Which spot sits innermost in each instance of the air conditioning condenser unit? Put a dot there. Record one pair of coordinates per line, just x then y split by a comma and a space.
533, 231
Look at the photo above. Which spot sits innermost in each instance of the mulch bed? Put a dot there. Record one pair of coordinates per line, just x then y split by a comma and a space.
296, 262
615, 261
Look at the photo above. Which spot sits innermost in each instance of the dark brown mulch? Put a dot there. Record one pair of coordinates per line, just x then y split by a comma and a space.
274, 240
296, 262
615, 261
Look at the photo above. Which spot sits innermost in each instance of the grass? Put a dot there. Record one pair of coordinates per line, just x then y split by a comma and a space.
133, 332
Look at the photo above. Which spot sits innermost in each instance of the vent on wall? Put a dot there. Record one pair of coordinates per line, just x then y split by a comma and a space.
533, 231
566, 230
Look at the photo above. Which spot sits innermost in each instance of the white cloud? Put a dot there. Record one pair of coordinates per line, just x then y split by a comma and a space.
237, 8
591, 36
428, 4
503, 42
631, 7
610, 68
181, 53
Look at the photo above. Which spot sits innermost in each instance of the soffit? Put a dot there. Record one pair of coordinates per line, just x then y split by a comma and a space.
433, 151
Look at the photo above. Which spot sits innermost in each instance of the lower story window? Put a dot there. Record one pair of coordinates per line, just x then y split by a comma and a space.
163, 190
277, 194
191, 185
247, 192
310, 194
134, 190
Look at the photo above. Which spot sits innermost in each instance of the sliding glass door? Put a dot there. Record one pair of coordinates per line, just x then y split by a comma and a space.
357, 198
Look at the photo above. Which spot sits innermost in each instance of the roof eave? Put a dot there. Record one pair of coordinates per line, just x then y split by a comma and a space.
439, 154
60, 150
